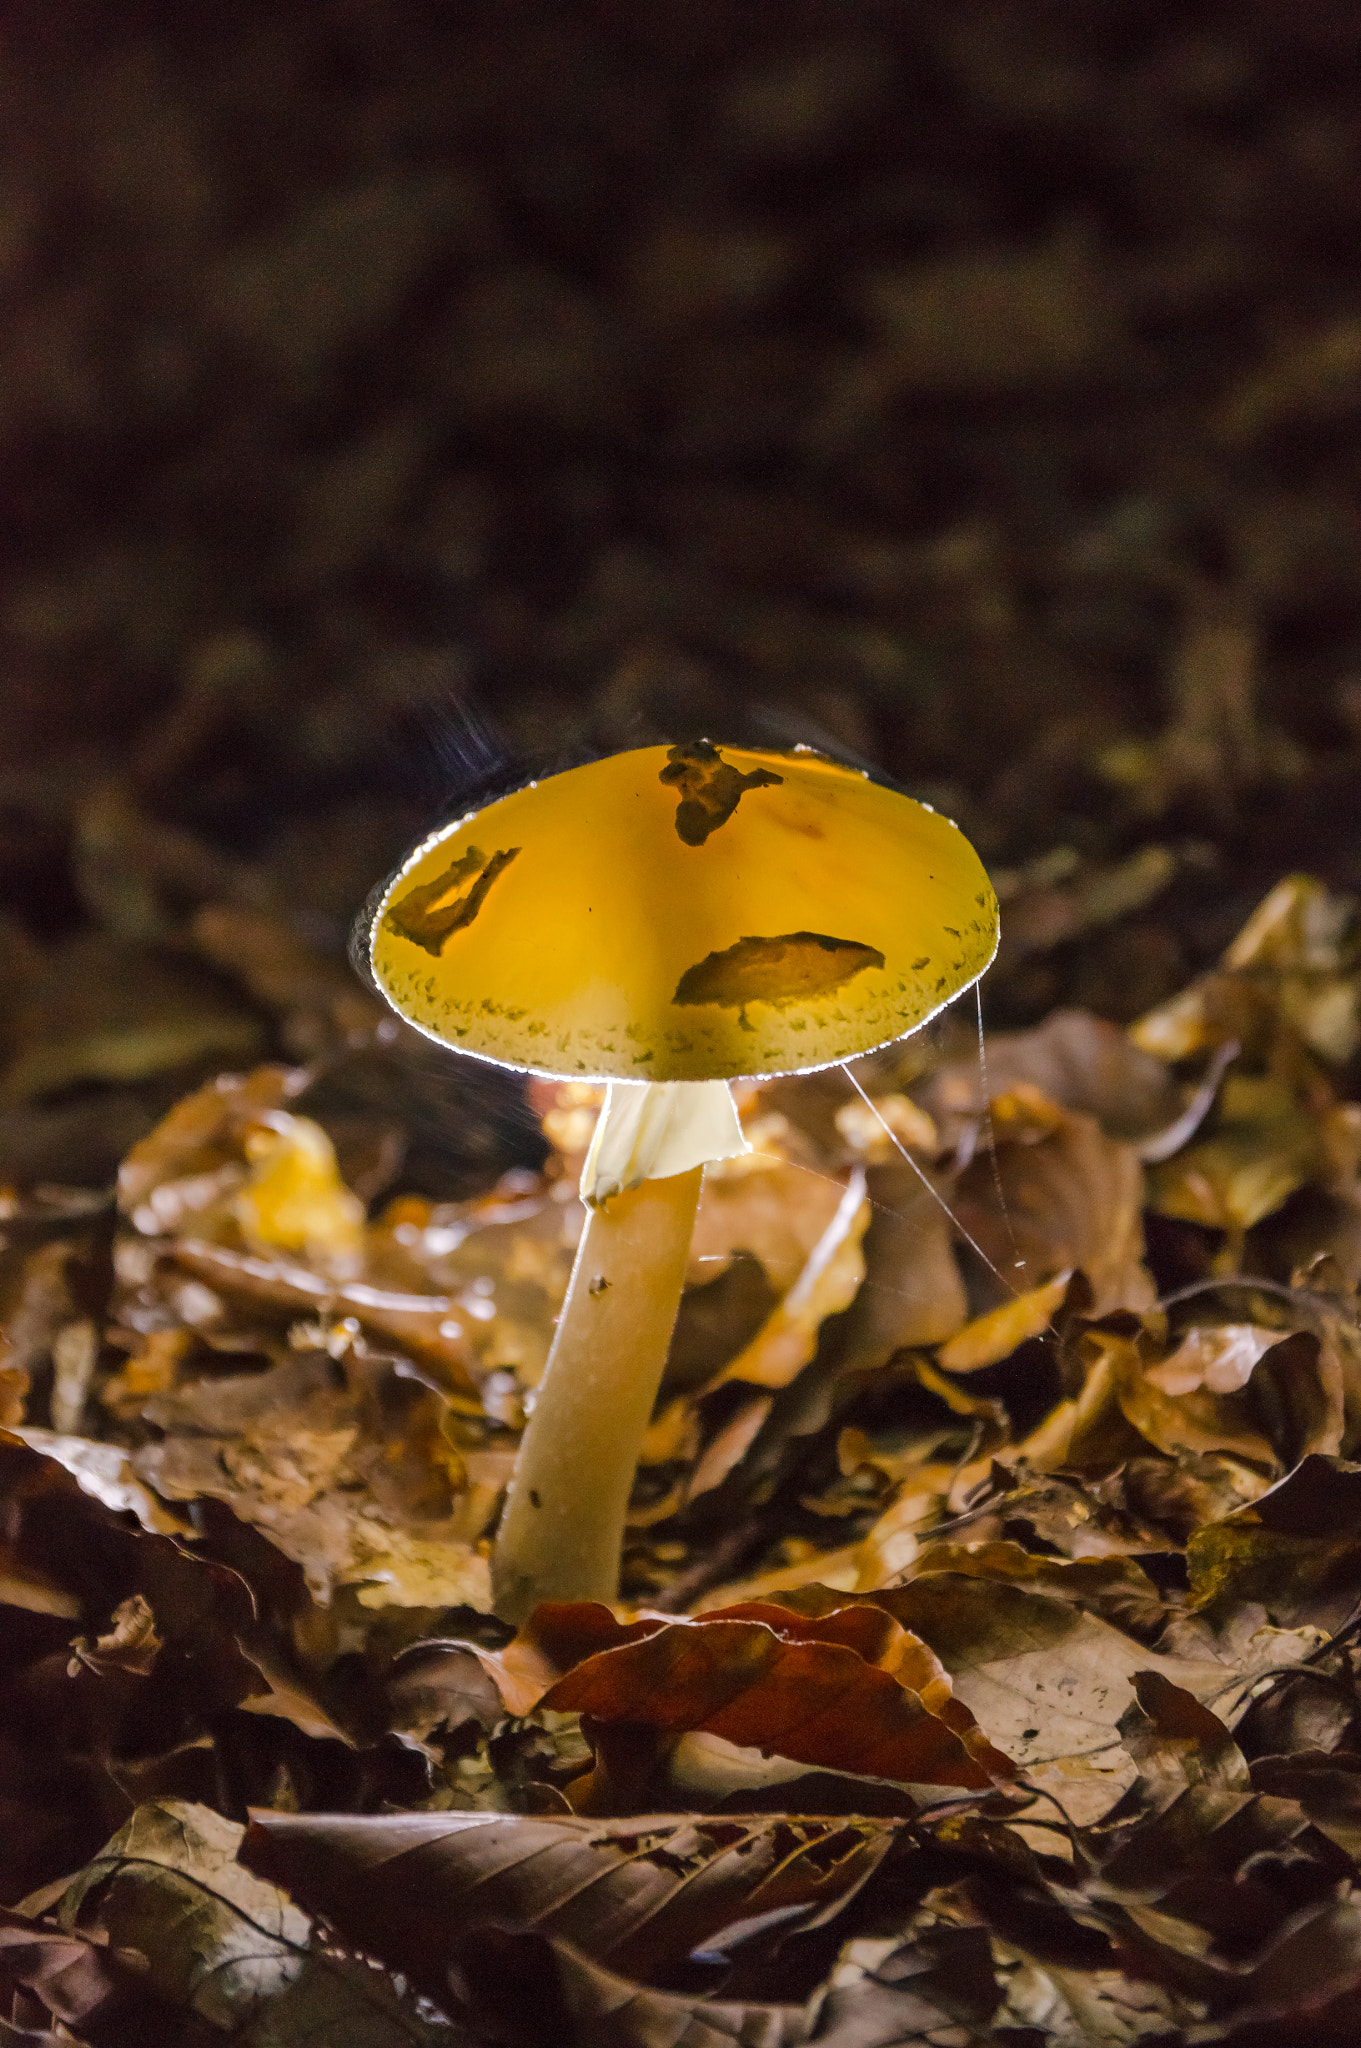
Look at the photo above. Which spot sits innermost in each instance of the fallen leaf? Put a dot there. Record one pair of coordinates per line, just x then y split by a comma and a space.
728, 1446
1056, 1196
833, 1691
79, 1982
1116, 1589
1048, 1680
294, 1198
1290, 1405
635, 1897
559, 1994
351, 1468
1176, 1742
1326, 1786
1286, 977
428, 1327
441, 1685
1219, 1357
117, 1645
1077, 1060
501, 1263
224, 1948
875, 1129
1296, 1548
105, 1473
773, 1208
828, 1283
993, 1336
1262, 1146
195, 1154
131, 1645
912, 1293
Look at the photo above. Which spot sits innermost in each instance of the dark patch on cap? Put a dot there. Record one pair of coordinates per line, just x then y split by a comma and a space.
711, 788
427, 920
786, 969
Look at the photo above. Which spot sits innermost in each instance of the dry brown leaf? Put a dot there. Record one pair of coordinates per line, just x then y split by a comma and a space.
839, 1691
991, 1337
77, 1981
874, 1130
195, 1154
351, 1468
912, 1292
1047, 1679
843, 1568
131, 1645
118, 1645
294, 1199
1288, 970
218, 1947
1213, 1394
502, 1262
636, 1897
827, 1284
673, 1434
548, 1991
1220, 1357
105, 1472
1296, 1549
1075, 1059
1262, 1146
1116, 1589
727, 1447
775, 1209
1176, 1742
1070, 1198
427, 1327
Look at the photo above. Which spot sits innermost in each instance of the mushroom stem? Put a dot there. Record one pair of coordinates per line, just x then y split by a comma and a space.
563, 1527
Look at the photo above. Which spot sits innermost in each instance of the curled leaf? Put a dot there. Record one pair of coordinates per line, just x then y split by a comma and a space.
846, 1691
827, 1284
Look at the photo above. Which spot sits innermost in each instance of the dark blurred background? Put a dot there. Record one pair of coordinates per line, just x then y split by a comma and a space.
397, 397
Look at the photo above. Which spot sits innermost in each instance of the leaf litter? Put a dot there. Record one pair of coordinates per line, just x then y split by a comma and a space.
985, 1666
958, 437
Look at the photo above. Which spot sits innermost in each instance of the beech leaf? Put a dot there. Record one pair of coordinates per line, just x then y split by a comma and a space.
635, 1897
224, 1947
841, 1691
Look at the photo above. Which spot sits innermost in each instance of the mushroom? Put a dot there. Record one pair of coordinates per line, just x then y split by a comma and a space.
664, 920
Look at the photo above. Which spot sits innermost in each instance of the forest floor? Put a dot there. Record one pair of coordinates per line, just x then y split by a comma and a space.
395, 403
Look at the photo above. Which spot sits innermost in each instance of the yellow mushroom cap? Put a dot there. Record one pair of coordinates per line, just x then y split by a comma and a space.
686, 913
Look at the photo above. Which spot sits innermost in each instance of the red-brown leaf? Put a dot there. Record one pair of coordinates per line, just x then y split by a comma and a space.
815, 1701
845, 1691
